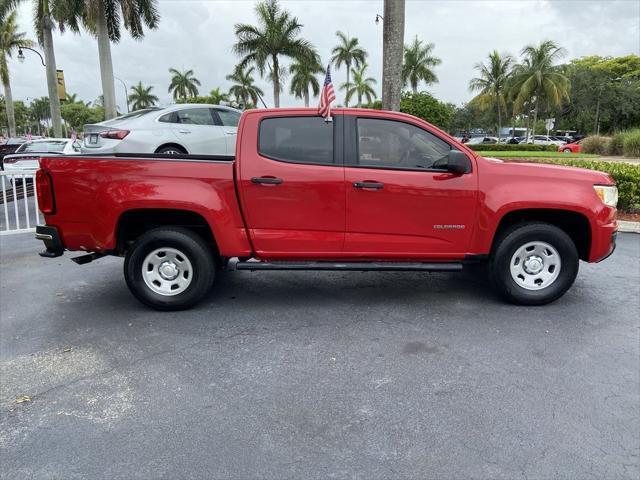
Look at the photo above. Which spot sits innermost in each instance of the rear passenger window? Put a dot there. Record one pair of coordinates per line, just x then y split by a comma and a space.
297, 139
228, 118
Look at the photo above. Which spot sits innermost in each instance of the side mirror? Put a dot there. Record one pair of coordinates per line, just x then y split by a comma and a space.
458, 163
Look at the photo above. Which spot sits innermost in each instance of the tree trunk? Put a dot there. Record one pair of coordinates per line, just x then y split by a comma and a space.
8, 101
392, 53
276, 82
106, 64
306, 97
535, 118
359, 100
499, 121
52, 78
346, 93
414, 87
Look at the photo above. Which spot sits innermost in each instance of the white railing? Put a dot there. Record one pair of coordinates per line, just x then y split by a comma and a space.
19, 203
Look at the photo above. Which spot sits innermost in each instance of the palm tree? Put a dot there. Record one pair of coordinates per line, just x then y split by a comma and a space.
183, 84
538, 79
243, 89
492, 83
141, 97
418, 64
348, 52
72, 98
304, 77
40, 111
49, 14
104, 19
10, 39
361, 86
276, 36
392, 53
217, 97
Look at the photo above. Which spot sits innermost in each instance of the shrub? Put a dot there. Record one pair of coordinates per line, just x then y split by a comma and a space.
615, 145
595, 144
423, 105
523, 147
631, 143
626, 176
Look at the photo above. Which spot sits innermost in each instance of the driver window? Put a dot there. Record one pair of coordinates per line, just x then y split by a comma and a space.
392, 144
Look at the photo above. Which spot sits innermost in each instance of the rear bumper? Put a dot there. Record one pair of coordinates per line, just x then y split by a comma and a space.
51, 238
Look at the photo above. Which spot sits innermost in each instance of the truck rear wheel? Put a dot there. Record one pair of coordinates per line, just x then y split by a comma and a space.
169, 269
533, 264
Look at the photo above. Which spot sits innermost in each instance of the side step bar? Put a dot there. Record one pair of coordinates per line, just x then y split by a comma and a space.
253, 265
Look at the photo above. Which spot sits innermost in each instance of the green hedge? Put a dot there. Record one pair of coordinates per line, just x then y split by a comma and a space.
625, 143
626, 176
523, 147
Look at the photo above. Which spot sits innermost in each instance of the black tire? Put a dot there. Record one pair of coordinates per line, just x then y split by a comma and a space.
567, 150
171, 150
202, 268
515, 238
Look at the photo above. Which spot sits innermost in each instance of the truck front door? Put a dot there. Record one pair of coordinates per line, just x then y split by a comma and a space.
401, 201
292, 186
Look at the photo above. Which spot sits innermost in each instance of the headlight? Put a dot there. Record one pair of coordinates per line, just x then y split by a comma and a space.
608, 194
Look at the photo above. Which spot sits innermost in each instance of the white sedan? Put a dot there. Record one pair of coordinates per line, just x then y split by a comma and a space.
544, 140
195, 129
27, 155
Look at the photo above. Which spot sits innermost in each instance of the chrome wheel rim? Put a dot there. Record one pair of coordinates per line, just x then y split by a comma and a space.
167, 271
535, 265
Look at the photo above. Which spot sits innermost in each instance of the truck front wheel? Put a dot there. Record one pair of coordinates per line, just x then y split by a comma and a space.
533, 263
169, 268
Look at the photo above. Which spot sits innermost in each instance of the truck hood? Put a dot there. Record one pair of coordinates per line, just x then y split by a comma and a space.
550, 171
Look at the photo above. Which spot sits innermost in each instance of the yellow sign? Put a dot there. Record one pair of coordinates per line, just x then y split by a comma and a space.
62, 91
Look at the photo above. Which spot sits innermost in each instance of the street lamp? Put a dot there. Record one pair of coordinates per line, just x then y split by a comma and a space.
126, 92
378, 18
21, 55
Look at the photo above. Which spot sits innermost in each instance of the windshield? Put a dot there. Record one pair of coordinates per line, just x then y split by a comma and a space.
42, 147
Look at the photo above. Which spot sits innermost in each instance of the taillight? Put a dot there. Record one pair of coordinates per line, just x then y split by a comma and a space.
19, 159
44, 189
115, 134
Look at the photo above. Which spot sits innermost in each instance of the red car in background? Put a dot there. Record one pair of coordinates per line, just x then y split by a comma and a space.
573, 147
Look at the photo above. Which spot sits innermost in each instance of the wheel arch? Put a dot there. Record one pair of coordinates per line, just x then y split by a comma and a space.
171, 144
133, 223
573, 223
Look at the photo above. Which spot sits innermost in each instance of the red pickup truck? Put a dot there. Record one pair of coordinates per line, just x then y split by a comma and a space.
371, 190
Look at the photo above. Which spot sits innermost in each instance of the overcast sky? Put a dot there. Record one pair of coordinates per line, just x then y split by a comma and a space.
198, 35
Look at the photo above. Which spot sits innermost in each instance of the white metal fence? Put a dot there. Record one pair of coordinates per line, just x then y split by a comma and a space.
19, 208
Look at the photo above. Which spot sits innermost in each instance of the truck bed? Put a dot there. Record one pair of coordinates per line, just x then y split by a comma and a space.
92, 192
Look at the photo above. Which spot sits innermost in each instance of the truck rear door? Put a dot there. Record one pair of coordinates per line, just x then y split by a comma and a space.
291, 183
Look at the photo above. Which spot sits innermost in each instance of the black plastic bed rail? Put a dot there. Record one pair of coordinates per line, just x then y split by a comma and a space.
152, 156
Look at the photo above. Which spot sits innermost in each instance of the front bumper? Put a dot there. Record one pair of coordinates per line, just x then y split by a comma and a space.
51, 239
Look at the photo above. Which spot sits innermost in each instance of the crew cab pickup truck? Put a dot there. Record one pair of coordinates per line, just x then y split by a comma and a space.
370, 190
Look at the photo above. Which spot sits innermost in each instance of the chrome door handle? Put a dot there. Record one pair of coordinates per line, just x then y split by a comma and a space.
230, 132
184, 131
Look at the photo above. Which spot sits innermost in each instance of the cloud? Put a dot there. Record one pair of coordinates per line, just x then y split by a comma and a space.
199, 35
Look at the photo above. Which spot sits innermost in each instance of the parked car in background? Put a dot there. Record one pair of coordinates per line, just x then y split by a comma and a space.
573, 147
482, 141
27, 155
10, 145
544, 140
195, 129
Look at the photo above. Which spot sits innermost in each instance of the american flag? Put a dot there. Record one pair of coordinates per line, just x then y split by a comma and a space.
327, 95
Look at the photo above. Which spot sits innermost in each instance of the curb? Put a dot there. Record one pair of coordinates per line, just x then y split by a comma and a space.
628, 227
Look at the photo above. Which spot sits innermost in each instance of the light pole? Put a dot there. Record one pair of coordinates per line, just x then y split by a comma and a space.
126, 94
21, 54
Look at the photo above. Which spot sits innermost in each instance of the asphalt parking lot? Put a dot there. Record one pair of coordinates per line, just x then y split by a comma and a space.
317, 375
